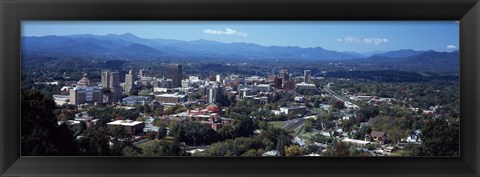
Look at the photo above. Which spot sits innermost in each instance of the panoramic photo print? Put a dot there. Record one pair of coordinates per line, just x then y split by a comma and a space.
240, 88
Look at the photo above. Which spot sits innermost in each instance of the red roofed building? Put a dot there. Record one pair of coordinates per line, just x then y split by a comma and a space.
209, 115
213, 108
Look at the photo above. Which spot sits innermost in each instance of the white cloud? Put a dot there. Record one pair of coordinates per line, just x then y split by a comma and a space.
451, 46
228, 31
363, 40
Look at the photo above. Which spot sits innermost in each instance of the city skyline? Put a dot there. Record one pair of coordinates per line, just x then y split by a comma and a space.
137, 93
362, 37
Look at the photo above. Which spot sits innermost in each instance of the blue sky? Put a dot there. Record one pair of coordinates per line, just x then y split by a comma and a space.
357, 36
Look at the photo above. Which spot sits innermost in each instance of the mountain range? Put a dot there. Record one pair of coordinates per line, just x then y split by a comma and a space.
129, 46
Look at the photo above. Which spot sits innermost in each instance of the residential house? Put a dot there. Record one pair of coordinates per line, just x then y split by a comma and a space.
376, 136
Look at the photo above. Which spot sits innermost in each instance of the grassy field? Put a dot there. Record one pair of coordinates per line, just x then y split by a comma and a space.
308, 135
319, 110
298, 131
148, 143
278, 124
152, 142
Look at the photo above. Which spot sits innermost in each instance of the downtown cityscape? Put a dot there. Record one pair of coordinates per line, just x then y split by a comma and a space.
119, 94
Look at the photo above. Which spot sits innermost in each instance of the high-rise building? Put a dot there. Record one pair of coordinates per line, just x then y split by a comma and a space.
284, 74
212, 95
129, 81
289, 85
307, 74
105, 79
277, 82
214, 92
114, 80
174, 72
117, 93
111, 86
142, 73
219, 78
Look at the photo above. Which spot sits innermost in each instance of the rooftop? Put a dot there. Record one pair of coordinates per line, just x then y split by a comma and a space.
125, 122
171, 95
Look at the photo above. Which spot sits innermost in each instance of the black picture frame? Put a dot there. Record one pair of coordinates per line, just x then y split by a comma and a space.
14, 11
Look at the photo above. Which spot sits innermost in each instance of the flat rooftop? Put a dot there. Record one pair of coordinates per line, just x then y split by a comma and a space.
125, 122
170, 95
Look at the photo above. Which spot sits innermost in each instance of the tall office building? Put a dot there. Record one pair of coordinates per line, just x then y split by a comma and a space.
142, 73
212, 95
174, 72
219, 78
277, 82
129, 81
284, 74
105, 79
114, 80
307, 74
111, 86
214, 92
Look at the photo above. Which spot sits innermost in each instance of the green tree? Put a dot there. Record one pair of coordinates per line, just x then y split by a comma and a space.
146, 109
251, 153
80, 129
281, 144
395, 134
131, 151
228, 132
163, 148
174, 129
158, 122
360, 134
340, 149
159, 111
119, 139
338, 104
199, 134
293, 150
440, 138
65, 141
140, 118
420, 111
308, 125
95, 142
180, 110
263, 125
40, 134
151, 135
162, 131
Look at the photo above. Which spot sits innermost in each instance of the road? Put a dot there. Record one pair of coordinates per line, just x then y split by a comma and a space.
331, 92
344, 100
293, 124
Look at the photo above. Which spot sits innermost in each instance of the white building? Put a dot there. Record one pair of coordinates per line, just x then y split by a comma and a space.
305, 86
299, 99
61, 99
219, 78
185, 83
170, 98
293, 110
160, 89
